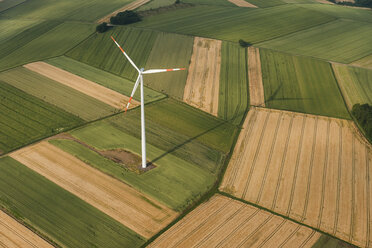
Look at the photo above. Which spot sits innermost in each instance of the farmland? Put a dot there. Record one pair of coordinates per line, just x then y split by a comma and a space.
301, 84
57, 94
169, 51
242, 3
232, 23
313, 169
233, 99
256, 90
202, 85
268, 3
130, 6
41, 204
223, 222
11, 28
4, 5
350, 41
354, 83
25, 118
364, 62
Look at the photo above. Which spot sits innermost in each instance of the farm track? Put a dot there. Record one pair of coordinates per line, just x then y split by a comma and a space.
13, 234
312, 169
138, 212
243, 3
131, 6
256, 89
202, 84
230, 223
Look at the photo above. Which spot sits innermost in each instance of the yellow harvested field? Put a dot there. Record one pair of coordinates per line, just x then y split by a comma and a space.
203, 80
13, 234
243, 3
256, 90
133, 209
223, 222
313, 169
365, 62
131, 6
83, 85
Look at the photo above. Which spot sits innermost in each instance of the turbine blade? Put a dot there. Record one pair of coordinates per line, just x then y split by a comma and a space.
133, 91
162, 70
126, 55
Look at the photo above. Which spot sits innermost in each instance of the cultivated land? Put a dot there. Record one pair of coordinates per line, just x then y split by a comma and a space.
60, 95
202, 85
312, 169
354, 83
233, 99
242, 3
4, 5
301, 84
224, 222
126, 205
13, 234
364, 62
256, 88
57, 214
130, 6
87, 87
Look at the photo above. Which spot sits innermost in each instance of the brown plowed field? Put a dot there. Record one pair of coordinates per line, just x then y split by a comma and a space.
243, 3
313, 169
13, 234
131, 6
223, 222
203, 81
83, 85
256, 90
143, 215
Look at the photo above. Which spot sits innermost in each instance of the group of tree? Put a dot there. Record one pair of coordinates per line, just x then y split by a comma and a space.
122, 18
357, 3
244, 43
363, 114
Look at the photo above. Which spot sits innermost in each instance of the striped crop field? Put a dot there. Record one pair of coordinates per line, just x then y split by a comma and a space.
25, 118
232, 23
6, 4
55, 213
233, 100
267, 3
350, 41
365, 62
312, 169
256, 89
10, 28
224, 222
301, 84
355, 84
62, 96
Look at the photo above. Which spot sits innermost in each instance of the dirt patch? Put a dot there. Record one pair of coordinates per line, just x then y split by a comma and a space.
13, 234
243, 3
83, 85
131, 6
223, 222
125, 204
256, 90
202, 84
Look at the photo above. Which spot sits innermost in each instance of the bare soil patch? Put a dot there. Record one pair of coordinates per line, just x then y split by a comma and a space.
202, 84
243, 3
125, 204
131, 6
83, 85
13, 234
310, 168
256, 90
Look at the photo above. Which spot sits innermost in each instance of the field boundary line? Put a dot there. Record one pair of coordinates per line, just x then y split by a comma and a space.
1, 12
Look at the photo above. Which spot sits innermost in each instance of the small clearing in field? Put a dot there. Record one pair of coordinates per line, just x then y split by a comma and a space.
256, 89
133, 209
13, 234
131, 6
83, 85
202, 85
243, 3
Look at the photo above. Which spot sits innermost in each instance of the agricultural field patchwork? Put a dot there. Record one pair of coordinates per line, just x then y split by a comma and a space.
25, 118
256, 89
365, 62
224, 222
10, 28
312, 169
301, 84
233, 99
41, 204
202, 85
242, 3
132, 5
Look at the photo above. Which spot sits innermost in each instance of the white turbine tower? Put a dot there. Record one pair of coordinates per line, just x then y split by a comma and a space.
140, 80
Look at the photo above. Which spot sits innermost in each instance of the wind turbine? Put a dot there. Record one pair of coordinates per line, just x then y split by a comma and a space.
139, 80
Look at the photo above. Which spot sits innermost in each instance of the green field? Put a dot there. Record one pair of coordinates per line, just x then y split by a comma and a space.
60, 95
57, 214
355, 83
10, 28
251, 24
154, 4
234, 96
266, 3
24, 118
345, 41
169, 51
209, 2
301, 84
101, 52
104, 78
54, 42
6, 4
